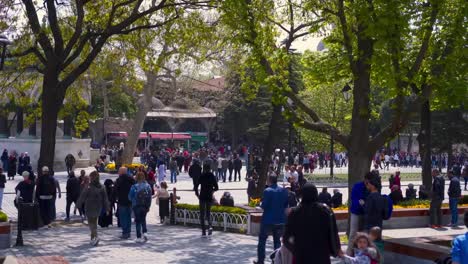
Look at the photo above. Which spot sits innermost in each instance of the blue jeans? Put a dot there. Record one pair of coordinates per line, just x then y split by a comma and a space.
125, 215
265, 230
140, 220
453, 203
173, 176
221, 175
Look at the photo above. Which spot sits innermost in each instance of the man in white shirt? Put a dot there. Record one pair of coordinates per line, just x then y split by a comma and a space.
387, 161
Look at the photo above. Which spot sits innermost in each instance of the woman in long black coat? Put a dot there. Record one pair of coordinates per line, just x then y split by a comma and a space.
12, 160
105, 220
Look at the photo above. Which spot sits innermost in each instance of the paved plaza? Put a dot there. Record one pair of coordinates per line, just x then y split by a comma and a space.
167, 244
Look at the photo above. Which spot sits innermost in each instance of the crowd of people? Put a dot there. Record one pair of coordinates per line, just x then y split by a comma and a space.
308, 211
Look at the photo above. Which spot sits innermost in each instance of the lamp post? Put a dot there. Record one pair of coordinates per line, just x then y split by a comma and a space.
3, 45
346, 91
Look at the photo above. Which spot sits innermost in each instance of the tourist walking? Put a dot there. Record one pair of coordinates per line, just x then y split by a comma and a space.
174, 169
161, 171
195, 172
84, 183
237, 167
73, 193
140, 196
2, 186
45, 192
437, 196
230, 168
12, 160
162, 199
224, 165
312, 219
70, 162
208, 185
123, 184
94, 199
25, 189
460, 246
53, 212
274, 204
4, 159
454, 193
105, 220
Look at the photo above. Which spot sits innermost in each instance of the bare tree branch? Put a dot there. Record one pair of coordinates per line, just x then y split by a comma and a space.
36, 28
78, 29
54, 26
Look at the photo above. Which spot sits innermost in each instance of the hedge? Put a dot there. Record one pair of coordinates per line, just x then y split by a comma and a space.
3, 217
415, 204
215, 209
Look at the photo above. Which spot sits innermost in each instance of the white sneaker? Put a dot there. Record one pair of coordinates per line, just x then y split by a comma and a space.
145, 238
92, 241
138, 240
96, 242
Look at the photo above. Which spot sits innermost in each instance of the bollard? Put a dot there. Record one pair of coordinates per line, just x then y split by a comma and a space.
172, 210
19, 234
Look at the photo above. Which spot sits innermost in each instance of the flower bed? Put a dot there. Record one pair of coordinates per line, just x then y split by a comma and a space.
111, 166
414, 204
225, 218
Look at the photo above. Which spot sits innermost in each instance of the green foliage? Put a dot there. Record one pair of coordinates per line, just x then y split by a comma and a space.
414, 202
448, 128
3, 217
216, 209
463, 200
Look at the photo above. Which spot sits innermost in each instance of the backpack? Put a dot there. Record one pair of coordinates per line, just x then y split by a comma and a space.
143, 197
388, 210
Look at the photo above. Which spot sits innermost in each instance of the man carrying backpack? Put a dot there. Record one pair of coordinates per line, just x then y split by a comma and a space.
140, 195
45, 192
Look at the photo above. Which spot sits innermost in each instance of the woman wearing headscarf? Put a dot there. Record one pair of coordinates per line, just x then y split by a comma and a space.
95, 200
311, 219
105, 220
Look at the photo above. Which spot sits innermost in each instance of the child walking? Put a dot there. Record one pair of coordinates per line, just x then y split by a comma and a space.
162, 199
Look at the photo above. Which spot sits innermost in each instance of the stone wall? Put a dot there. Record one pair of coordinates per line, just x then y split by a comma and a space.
62, 148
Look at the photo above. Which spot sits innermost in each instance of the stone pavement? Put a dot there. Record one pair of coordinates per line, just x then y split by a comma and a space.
424, 232
185, 185
166, 244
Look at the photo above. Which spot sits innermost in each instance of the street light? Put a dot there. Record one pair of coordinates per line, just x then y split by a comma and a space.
347, 95
346, 92
3, 43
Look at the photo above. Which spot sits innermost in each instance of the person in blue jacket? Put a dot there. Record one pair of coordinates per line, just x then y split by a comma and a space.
358, 196
274, 204
460, 246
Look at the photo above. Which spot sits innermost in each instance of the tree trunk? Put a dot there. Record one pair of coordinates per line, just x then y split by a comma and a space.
105, 99
268, 148
359, 166
450, 158
144, 105
52, 99
424, 140
410, 141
